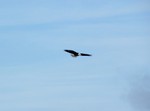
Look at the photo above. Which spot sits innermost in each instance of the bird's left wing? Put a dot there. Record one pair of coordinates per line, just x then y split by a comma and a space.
71, 51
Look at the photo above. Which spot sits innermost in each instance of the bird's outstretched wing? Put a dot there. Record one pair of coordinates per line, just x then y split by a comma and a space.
72, 52
82, 54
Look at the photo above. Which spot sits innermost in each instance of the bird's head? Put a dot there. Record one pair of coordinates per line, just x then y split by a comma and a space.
73, 55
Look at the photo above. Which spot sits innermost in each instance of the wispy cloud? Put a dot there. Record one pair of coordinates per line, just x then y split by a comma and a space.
139, 96
48, 11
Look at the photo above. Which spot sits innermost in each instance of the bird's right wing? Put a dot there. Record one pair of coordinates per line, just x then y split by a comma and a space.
82, 54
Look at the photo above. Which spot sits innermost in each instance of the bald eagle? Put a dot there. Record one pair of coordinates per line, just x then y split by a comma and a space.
76, 54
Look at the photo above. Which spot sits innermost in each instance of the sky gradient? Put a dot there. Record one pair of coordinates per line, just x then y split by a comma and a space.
37, 75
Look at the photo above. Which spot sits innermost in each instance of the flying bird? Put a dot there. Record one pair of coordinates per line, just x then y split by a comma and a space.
76, 54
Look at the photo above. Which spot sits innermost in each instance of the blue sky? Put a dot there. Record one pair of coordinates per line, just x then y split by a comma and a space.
37, 75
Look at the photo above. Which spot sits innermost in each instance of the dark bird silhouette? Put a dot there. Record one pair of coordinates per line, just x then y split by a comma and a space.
76, 54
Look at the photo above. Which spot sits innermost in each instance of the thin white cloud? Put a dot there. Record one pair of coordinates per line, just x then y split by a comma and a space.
43, 13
